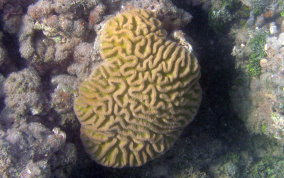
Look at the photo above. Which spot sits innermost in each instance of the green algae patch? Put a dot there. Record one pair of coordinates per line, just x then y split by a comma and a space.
267, 168
256, 44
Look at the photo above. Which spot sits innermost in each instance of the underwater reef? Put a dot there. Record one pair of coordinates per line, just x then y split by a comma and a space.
58, 58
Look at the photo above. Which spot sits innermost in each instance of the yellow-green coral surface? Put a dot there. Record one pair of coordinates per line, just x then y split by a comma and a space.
134, 106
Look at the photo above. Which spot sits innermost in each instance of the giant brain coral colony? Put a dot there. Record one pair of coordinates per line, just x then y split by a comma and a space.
134, 106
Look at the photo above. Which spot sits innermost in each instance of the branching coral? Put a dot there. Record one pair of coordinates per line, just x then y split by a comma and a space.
134, 106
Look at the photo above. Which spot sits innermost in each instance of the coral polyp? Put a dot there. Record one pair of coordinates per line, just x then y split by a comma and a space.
134, 106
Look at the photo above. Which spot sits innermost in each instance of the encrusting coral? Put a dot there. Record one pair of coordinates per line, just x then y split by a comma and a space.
134, 106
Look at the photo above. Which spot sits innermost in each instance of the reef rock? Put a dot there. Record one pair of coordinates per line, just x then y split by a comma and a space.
31, 150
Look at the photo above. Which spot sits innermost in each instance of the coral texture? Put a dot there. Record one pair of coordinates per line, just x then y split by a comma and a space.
11, 14
84, 60
134, 106
264, 95
32, 150
52, 29
171, 16
24, 92
63, 94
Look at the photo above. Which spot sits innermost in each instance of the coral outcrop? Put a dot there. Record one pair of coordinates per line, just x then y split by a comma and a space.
263, 95
24, 92
134, 106
84, 60
12, 12
52, 29
61, 97
32, 150
171, 16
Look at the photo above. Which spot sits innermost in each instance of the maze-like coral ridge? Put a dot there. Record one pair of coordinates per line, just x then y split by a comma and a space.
134, 106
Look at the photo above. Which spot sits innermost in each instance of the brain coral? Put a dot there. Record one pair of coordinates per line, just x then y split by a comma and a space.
134, 106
